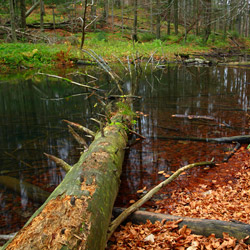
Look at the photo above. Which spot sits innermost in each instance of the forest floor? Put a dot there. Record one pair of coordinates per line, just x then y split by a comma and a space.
226, 197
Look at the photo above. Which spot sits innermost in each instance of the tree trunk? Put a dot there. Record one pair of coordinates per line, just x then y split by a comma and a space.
176, 21
204, 227
23, 11
134, 36
158, 20
33, 7
41, 15
12, 21
84, 23
169, 16
207, 19
77, 214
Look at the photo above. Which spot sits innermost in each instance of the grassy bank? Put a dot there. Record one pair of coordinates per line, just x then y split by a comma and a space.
65, 52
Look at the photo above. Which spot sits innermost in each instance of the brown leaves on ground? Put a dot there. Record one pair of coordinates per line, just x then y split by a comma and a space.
167, 236
228, 202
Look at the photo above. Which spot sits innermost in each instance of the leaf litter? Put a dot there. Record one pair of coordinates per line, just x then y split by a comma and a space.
222, 200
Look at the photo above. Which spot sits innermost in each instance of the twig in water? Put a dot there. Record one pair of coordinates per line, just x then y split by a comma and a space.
80, 127
78, 138
106, 68
70, 81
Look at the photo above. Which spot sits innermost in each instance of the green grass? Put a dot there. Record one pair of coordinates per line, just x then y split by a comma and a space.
108, 45
29, 55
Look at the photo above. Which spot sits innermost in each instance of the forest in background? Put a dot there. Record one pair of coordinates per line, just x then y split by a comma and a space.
160, 18
189, 24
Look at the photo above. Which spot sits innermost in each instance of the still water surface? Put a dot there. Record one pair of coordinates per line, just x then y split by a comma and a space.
32, 111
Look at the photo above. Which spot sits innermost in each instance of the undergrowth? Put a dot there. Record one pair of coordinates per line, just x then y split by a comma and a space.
108, 45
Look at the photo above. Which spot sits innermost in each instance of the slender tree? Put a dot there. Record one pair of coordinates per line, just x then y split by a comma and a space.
12, 17
158, 19
207, 19
169, 16
176, 16
23, 11
134, 36
84, 22
41, 15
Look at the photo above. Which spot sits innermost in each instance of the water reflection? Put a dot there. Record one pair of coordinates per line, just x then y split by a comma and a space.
31, 123
215, 91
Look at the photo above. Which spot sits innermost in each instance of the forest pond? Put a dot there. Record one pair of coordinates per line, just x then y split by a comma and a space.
32, 113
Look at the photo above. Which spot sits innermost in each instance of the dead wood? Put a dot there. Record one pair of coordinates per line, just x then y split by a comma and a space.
33, 192
198, 226
81, 128
78, 138
203, 117
115, 223
77, 214
32, 8
21, 34
59, 162
70, 81
239, 138
227, 157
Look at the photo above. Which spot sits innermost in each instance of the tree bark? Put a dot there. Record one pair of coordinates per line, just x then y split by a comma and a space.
158, 19
23, 11
176, 16
41, 15
84, 23
12, 21
33, 7
198, 226
77, 214
134, 36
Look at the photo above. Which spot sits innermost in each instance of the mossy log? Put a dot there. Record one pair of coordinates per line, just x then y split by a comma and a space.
204, 227
77, 214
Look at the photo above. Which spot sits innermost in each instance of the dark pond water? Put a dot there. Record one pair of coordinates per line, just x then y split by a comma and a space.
32, 111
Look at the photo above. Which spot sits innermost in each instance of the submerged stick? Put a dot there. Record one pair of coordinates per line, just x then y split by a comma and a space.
14, 157
33, 192
78, 138
227, 157
59, 162
7, 236
70, 81
80, 127
240, 139
204, 117
115, 223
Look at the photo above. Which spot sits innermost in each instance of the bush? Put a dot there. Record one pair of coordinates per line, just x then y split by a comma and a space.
234, 34
147, 37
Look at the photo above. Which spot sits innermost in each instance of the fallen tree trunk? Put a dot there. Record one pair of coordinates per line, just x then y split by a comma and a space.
198, 226
77, 214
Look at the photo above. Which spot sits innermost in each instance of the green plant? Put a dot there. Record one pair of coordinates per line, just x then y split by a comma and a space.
124, 109
146, 37
234, 34
101, 36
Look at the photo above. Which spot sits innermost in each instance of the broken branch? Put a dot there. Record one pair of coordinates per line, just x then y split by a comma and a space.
115, 223
80, 127
59, 162
78, 138
68, 80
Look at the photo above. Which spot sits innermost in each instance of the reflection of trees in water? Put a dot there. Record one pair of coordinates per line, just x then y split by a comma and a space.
215, 91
